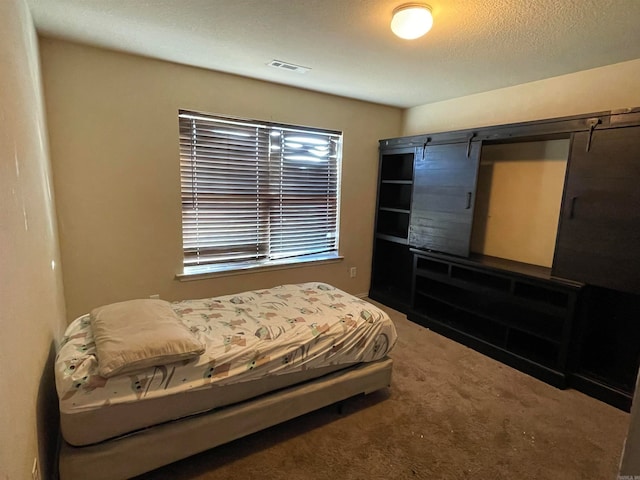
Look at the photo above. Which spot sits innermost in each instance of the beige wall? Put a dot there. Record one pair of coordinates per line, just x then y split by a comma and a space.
599, 89
518, 200
31, 299
114, 146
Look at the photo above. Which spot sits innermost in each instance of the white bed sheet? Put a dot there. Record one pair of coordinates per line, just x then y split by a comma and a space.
249, 336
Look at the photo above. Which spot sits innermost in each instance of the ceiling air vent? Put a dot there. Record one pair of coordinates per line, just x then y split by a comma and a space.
288, 66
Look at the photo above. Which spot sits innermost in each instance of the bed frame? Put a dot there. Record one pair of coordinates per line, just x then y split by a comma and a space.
154, 447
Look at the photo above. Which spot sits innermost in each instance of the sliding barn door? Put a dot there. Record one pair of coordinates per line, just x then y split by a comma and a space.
599, 235
444, 191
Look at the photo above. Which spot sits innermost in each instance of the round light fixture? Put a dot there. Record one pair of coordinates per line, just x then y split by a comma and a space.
411, 20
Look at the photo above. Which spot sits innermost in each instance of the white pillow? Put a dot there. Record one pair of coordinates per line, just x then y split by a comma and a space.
137, 334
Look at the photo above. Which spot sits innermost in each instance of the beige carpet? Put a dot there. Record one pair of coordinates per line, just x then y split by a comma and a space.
451, 413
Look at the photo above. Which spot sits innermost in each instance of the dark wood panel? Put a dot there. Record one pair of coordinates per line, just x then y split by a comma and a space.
611, 202
447, 177
609, 154
597, 242
525, 131
598, 268
443, 198
440, 232
447, 199
599, 234
606, 350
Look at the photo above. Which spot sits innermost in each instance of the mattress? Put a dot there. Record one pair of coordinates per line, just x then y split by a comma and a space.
256, 342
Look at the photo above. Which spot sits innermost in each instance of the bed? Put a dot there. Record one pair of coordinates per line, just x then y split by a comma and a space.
253, 359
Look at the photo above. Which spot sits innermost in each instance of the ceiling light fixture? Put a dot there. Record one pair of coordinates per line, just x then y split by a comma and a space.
411, 20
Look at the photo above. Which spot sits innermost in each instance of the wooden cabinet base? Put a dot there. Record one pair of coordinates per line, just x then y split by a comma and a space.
601, 390
527, 365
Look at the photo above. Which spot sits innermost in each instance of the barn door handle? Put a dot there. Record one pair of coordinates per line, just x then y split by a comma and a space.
573, 207
468, 201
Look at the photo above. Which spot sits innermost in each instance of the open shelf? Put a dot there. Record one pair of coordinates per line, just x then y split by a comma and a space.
393, 222
395, 195
537, 349
392, 264
479, 279
489, 310
390, 276
541, 294
397, 165
521, 318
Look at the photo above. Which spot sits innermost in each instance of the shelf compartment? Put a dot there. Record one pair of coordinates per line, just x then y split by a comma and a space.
393, 223
541, 294
460, 320
510, 316
511, 338
490, 345
455, 296
395, 195
392, 238
533, 348
428, 265
485, 280
499, 290
546, 327
390, 276
398, 166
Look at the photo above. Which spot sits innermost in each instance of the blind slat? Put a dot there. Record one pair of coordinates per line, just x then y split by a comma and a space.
256, 191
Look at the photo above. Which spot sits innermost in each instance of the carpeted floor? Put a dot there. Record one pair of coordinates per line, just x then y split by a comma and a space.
451, 413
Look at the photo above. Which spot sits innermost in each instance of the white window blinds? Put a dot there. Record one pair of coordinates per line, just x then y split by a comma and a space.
255, 192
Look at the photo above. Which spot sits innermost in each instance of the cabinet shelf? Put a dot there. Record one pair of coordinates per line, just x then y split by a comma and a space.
392, 238
526, 319
549, 329
392, 263
393, 223
395, 210
395, 195
465, 329
390, 283
397, 182
462, 321
533, 349
499, 289
397, 165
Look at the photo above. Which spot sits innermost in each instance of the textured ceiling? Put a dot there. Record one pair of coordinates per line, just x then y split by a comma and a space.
474, 46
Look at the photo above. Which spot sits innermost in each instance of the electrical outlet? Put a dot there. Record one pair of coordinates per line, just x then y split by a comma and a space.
155, 296
352, 272
35, 470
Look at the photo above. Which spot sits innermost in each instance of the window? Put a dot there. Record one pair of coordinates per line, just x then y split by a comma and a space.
256, 193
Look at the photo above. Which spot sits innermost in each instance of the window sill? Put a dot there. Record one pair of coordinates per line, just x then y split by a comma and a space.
212, 271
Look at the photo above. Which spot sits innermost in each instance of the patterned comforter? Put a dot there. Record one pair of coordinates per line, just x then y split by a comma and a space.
249, 335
